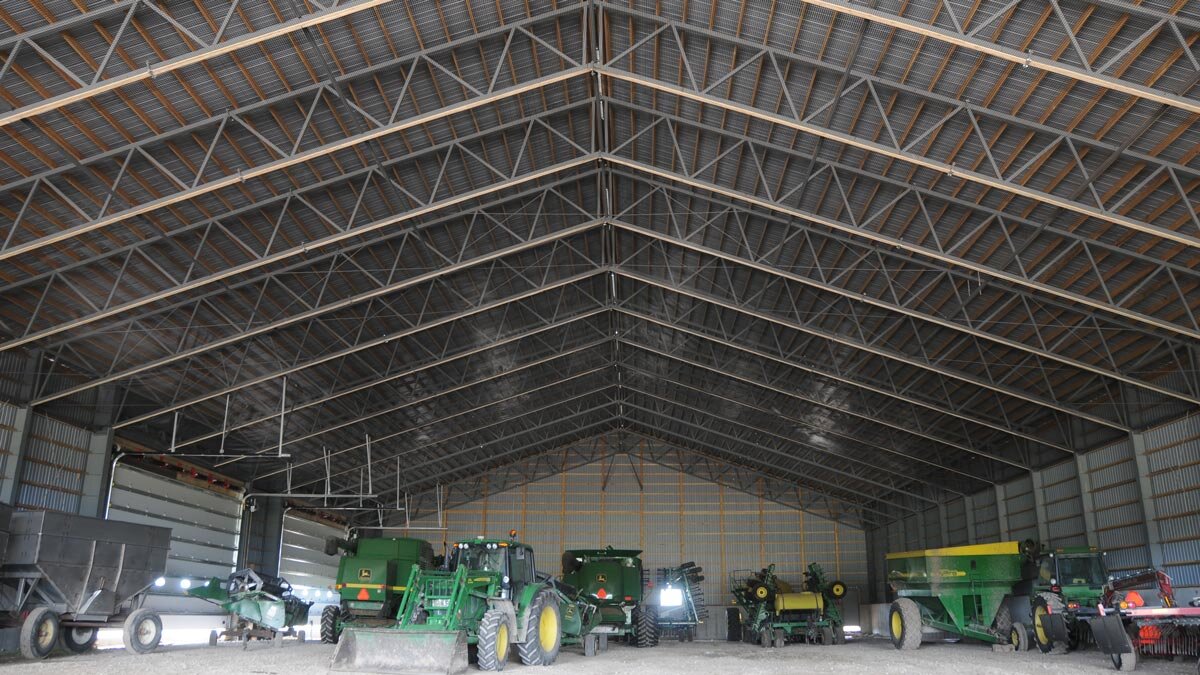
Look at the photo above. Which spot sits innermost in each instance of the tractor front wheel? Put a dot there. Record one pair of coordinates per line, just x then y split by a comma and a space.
1045, 605
905, 623
330, 630
645, 626
1018, 635
494, 640
543, 631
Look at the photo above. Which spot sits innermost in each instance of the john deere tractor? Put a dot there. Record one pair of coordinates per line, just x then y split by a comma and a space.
612, 579
1069, 584
772, 614
486, 603
370, 580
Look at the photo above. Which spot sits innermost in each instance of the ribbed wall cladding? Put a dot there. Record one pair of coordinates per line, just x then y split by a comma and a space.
1116, 501
8, 418
987, 520
1064, 507
1173, 459
676, 518
54, 466
956, 522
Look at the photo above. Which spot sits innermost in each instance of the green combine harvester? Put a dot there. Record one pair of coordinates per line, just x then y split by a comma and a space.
260, 607
613, 581
963, 590
680, 601
1070, 584
370, 580
488, 601
771, 614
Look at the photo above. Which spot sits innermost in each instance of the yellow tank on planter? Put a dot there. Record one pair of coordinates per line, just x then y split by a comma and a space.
791, 602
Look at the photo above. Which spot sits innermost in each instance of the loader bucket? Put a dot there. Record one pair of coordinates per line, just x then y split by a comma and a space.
400, 652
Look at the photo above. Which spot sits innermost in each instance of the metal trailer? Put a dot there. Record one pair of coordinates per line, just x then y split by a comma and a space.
964, 590
66, 576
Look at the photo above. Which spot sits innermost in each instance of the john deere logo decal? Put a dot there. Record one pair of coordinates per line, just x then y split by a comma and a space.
602, 578
364, 574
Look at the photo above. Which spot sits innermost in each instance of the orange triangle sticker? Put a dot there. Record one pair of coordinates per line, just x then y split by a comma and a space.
363, 595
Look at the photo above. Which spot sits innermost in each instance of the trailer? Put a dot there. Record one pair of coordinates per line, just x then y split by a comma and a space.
972, 591
66, 576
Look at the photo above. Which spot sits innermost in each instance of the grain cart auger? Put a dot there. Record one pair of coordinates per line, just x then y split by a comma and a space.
964, 590
487, 602
772, 614
612, 580
680, 601
260, 607
370, 580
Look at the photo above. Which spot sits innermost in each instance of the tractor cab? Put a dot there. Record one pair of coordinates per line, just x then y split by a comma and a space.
1078, 573
509, 561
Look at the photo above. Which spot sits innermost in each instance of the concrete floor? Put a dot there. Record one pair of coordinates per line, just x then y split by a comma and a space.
700, 658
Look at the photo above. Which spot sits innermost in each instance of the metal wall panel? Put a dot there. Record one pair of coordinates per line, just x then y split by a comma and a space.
987, 519
1021, 509
1173, 459
1064, 507
302, 559
54, 467
1116, 501
956, 522
8, 420
676, 518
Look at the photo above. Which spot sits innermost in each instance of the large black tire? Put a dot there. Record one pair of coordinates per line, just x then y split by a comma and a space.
1018, 636
826, 636
733, 624
905, 623
1045, 604
39, 633
492, 650
329, 624
536, 651
645, 626
78, 640
1002, 624
142, 631
837, 590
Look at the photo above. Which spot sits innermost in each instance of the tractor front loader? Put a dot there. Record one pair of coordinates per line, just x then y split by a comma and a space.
486, 603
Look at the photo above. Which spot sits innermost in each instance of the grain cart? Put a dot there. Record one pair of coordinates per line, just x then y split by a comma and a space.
488, 601
612, 580
1069, 585
679, 600
369, 580
964, 590
772, 614
66, 576
260, 607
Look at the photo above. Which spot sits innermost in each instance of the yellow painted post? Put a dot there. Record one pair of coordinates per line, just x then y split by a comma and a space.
682, 529
483, 524
762, 533
803, 551
721, 534
603, 496
642, 495
562, 509
524, 507
837, 550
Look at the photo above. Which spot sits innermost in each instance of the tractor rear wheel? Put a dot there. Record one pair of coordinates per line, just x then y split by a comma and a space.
1045, 605
645, 626
330, 631
492, 648
543, 631
733, 624
905, 623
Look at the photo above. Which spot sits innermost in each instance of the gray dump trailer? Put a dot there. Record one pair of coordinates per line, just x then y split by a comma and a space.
66, 576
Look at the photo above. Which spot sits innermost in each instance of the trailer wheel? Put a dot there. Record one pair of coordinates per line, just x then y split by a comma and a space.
543, 631
78, 639
39, 633
905, 621
143, 631
780, 638
1044, 605
733, 624
213, 637
1018, 635
765, 637
494, 641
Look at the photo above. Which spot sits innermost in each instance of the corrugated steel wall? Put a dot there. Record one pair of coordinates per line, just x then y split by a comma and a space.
1020, 508
1064, 506
54, 466
1172, 455
987, 519
676, 518
8, 419
956, 523
1116, 501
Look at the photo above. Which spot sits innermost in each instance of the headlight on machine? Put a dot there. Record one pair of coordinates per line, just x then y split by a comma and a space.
670, 597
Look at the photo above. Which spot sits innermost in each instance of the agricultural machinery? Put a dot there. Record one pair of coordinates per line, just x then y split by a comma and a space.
962, 590
260, 607
65, 576
679, 600
370, 580
613, 581
488, 601
772, 614
1070, 584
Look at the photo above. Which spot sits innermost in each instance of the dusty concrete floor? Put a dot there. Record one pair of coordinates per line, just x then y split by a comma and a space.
700, 658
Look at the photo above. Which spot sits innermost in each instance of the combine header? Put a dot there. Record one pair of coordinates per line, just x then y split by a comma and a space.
260, 607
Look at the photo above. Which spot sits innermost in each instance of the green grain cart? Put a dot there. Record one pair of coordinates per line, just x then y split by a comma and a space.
964, 590
370, 580
613, 581
488, 602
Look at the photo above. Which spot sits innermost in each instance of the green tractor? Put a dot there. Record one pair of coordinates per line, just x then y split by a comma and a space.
369, 580
488, 601
771, 614
612, 580
1070, 583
